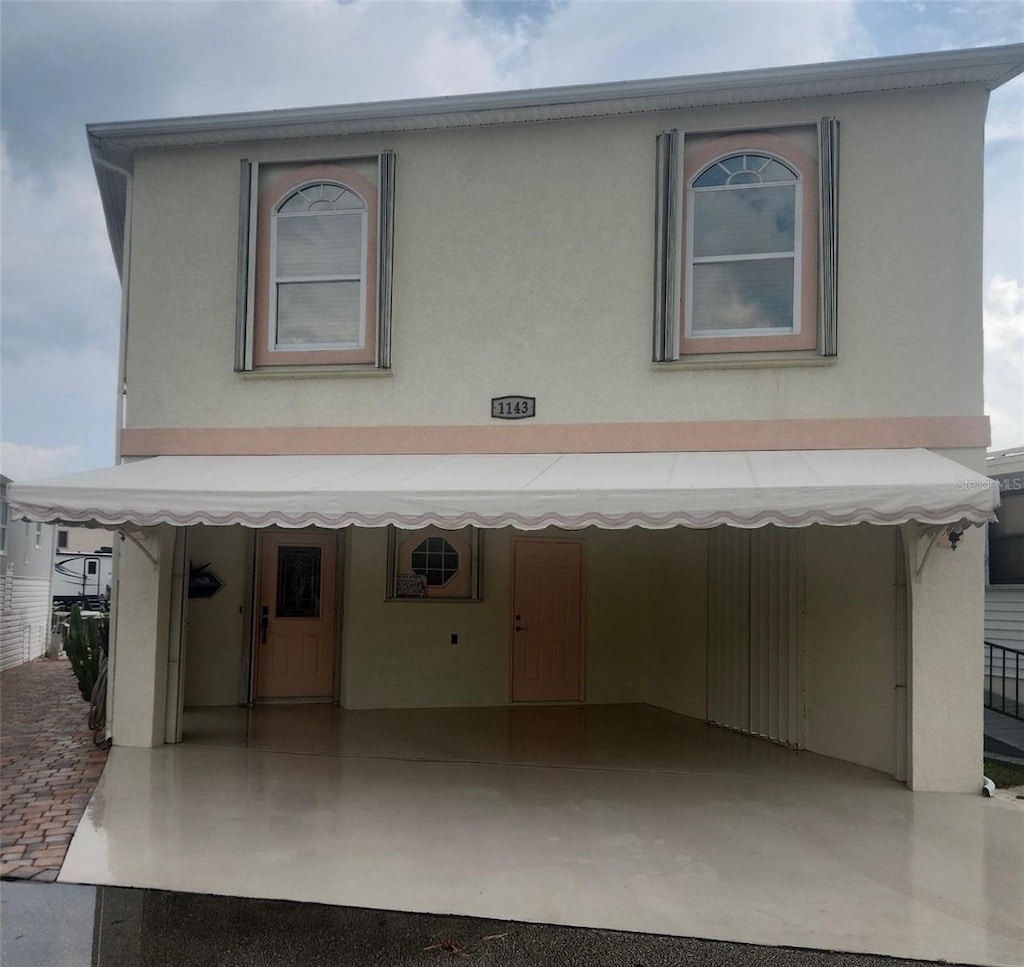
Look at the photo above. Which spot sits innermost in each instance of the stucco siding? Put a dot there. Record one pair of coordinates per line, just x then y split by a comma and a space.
216, 653
524, 263
850, 644
644, 620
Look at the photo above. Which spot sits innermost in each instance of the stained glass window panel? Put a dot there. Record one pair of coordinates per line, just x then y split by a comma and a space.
298, 582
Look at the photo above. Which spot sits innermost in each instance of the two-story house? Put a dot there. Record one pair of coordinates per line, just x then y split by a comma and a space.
664, 392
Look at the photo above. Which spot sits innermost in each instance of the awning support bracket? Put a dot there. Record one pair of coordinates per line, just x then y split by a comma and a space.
140, 545
953, 531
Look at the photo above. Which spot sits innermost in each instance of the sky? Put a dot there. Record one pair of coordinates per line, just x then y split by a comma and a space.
66, 63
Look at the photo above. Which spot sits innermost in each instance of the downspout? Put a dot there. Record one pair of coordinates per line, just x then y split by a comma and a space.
119, 416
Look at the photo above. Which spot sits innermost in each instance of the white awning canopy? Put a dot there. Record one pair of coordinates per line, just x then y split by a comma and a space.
789, 488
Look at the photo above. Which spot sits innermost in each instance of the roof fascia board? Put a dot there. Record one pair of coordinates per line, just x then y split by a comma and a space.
990, 66
116, 142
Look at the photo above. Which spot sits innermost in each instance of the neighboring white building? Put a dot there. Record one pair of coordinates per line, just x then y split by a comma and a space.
26, 562
664, 391
1004, 590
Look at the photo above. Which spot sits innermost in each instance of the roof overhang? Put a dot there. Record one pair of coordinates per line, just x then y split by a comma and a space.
115, 144
788, 488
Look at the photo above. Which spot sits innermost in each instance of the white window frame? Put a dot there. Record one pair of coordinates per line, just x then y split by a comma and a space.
795, 254
815, 333
274, 280
376, 270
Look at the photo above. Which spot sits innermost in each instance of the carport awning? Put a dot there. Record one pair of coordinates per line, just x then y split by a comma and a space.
528, 491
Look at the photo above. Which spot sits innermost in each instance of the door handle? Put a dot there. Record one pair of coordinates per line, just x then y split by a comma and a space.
520, 628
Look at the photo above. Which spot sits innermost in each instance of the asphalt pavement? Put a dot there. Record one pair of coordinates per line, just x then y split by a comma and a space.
62, 925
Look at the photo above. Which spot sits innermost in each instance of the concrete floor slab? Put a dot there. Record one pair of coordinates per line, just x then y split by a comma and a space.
767, 850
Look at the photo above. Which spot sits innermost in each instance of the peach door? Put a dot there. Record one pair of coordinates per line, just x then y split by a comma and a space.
295, 616
547, 620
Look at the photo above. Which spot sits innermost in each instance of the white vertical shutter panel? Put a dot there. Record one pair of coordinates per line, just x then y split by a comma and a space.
755, 615
828, 235
245, 291
385, 253
667, 242
728, 628
776, 569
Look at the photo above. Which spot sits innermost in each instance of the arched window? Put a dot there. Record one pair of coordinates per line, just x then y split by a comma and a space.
315, 265
750, 272
319, 276
744, 270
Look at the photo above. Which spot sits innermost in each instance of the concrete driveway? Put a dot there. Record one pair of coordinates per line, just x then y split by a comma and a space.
757, 845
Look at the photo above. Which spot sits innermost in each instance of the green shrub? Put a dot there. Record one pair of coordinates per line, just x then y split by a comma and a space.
85, 644
1004, 774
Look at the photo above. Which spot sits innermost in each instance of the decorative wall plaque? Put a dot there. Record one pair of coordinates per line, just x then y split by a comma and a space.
202, 582
513, 407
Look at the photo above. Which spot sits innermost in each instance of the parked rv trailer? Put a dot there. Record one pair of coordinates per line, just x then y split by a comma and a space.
82, 578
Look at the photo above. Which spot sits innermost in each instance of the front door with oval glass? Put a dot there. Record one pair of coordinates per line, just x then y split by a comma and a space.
296, 617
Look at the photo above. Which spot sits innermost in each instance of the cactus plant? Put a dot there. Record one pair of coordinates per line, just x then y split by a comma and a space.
85, 643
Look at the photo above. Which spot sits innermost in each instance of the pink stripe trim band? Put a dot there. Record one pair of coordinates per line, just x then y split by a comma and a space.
900, 432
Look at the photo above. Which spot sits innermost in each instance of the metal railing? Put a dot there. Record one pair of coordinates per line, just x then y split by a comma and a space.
1004, 669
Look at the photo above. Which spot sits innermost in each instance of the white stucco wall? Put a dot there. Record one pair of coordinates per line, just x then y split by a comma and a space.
216, 653
946, 615
849, 665
524, 261
645, 625
399, 653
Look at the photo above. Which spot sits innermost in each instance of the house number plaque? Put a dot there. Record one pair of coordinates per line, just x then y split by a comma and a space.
513, 407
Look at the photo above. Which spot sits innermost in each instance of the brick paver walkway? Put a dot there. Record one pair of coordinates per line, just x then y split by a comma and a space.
49, 767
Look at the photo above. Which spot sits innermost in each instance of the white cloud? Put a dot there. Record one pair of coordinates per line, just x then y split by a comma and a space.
587, 42
1004, 361
20, 462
